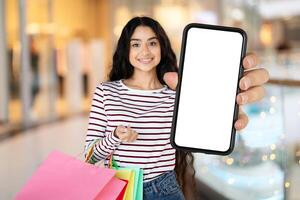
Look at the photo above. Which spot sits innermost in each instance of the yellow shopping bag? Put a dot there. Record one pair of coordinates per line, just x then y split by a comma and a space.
128, 175
138, 183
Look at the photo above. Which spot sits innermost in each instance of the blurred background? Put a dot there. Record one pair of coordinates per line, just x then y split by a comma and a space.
53, 54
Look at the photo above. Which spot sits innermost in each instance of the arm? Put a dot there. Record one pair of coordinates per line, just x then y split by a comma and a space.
103, 143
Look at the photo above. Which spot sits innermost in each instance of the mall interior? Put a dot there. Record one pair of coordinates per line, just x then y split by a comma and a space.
53, 53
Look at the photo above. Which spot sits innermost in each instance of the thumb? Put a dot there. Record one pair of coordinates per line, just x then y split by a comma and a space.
171, 79
122, 129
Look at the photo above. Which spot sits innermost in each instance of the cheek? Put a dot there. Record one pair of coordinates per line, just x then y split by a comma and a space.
155, 51
132, 55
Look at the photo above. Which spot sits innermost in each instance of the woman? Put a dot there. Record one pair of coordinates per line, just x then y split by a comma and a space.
132, 113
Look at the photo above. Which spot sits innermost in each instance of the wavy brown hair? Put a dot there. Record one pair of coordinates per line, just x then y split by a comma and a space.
122, 69
185, 172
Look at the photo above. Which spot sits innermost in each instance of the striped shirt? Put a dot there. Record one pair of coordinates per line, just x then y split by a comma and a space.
148, 112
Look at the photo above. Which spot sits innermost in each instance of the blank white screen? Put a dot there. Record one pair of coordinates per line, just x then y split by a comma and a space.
208, 89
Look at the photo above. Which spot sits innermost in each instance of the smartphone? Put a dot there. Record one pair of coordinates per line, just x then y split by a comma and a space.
205, 107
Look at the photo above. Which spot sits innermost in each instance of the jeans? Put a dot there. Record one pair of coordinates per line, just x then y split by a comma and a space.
165, 187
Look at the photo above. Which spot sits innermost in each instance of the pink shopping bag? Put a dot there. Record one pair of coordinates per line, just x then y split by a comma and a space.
112, 192
63, 177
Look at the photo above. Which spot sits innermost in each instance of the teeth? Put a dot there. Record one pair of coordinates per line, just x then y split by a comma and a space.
145, 60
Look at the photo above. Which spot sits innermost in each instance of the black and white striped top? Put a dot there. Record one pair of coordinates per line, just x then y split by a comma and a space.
148, 112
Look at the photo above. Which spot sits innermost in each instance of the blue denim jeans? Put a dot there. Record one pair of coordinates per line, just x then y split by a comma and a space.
164, 187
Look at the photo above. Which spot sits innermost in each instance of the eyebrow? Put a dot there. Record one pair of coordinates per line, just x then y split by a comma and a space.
134, 39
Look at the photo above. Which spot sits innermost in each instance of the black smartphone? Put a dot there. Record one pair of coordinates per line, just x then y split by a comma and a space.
209, 72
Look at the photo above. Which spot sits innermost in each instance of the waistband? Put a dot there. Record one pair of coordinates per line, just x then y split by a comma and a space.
154, 184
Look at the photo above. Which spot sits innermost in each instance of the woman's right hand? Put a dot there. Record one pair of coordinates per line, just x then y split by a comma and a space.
125, 134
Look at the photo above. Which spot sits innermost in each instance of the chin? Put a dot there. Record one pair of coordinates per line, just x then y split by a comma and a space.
145, 68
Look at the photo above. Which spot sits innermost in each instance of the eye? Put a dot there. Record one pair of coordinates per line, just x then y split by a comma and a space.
153, 43
135, 45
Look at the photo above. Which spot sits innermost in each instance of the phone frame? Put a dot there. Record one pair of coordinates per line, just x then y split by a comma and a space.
178, 89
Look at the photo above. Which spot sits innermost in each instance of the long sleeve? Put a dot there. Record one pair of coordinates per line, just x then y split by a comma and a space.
107, 142
148, 112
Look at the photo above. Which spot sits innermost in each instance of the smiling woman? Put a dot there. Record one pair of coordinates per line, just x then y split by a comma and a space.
144, 52
132, 113
123, 68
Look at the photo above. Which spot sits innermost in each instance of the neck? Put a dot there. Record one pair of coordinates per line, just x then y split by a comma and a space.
144, 81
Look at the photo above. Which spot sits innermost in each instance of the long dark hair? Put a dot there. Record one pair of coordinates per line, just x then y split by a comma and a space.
122, 69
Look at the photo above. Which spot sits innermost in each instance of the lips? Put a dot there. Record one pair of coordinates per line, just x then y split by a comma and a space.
145, 60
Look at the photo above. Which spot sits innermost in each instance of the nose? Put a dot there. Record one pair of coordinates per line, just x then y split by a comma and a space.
145, 49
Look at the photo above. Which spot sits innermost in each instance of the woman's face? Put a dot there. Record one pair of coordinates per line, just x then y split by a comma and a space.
144, 53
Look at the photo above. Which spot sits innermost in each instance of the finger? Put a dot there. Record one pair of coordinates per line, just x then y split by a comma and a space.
135, 135
122, 129
124, 138
132, 136
128, 133
254, 78
252, 95
171, 79
129, 136
242, 121
129, 130
250, 61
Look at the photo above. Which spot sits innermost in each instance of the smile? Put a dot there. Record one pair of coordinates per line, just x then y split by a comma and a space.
145, 60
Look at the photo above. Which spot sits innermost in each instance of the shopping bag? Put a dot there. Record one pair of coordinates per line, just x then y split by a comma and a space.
134, 176
140, 188
128, 175
138, 183
122, 194
115, 189
63, 177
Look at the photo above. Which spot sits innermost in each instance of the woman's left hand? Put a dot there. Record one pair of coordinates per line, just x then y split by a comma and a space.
251, 85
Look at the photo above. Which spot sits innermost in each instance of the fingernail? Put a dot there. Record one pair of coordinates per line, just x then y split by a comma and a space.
238, 125
246, 83
244, 99
250, 61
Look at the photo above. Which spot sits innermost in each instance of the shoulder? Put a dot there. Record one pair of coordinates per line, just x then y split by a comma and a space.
111, 88
169, 91
108, 85
107, 89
